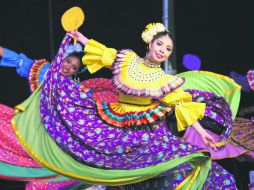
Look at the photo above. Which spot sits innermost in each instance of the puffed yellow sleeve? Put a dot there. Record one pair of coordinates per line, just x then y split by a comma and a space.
186, 111
98, 56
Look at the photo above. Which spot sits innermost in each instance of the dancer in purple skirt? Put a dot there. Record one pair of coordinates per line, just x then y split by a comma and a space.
124, 142
12, 154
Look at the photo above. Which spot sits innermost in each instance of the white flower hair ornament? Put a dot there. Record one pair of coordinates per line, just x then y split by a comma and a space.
151, 30
73, 48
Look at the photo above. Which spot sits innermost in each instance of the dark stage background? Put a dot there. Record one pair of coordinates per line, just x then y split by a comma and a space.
220, 32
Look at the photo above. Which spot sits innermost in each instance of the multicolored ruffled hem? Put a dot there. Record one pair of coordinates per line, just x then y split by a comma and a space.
34, 77
112, 114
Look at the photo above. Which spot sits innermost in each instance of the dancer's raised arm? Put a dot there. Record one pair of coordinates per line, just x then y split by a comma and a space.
97, 55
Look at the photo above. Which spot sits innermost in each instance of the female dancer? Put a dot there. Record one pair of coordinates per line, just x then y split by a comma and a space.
12, 154
35, 70
124, 142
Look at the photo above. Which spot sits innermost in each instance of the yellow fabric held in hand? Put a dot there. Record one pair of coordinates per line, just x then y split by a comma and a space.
98, 56
186, 111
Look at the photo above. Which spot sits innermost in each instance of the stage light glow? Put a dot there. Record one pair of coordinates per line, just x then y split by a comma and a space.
191, 62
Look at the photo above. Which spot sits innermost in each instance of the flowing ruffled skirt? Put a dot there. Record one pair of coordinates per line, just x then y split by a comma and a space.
17, 164
67, 134
109, 152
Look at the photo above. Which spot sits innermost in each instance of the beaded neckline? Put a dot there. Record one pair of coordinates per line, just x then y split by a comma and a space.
151, 65
132, 77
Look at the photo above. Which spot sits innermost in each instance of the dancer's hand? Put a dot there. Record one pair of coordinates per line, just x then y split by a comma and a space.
78, 36
208, 140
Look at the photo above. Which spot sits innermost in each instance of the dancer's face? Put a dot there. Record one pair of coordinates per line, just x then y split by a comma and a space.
70, 66
160, 49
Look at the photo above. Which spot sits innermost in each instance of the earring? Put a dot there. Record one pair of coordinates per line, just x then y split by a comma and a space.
147, 55
76, 79
170, 68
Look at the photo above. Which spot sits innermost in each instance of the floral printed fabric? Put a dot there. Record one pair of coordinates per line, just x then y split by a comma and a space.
102, 89
217, 180
243, 132
217, 109
70, 117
